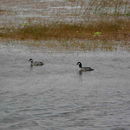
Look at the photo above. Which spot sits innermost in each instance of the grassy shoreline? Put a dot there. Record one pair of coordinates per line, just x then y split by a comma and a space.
70, 45
104, 35
101, 30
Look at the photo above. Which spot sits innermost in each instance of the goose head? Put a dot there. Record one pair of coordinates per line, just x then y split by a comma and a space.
80, 64
31, 60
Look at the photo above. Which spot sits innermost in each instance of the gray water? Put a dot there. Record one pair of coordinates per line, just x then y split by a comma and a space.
57, 97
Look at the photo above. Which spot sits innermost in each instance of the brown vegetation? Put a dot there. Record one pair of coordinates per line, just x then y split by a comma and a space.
7, 12
102, 30
3, 11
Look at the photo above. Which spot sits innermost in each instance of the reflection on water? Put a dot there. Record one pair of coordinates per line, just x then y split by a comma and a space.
80, 72
58, 96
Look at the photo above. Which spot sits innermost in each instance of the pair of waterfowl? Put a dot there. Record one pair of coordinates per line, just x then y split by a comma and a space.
39, 63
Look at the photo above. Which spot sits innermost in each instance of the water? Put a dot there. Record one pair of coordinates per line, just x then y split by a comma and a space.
57, 97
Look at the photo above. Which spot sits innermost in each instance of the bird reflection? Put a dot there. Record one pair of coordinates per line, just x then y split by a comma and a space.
80, 72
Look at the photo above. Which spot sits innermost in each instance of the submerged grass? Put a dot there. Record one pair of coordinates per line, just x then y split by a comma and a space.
72, 45
81, 45
106, 30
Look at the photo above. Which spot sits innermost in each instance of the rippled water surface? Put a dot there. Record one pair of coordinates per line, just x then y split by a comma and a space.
57, 97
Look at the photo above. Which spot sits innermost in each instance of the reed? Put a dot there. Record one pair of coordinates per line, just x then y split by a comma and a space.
111, 30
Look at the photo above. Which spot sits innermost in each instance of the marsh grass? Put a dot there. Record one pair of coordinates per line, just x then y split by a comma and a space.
87, 45
3, 11
75, 45
110, 30
91, 21
105, 7
7, 12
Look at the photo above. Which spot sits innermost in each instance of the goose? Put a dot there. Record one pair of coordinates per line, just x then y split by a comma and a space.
84, 68
35, 63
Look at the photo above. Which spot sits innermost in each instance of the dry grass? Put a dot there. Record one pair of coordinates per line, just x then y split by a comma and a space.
81, 45
73, 45
3, 11
108, 30
7, 12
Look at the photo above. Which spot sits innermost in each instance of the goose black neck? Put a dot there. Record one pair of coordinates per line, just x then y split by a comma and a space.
31, 61
80, 65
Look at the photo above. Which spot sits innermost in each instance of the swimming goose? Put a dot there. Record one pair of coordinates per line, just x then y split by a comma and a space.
84, 68
35, 63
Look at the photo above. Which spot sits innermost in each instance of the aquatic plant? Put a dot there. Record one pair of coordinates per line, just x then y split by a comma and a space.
97, 33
